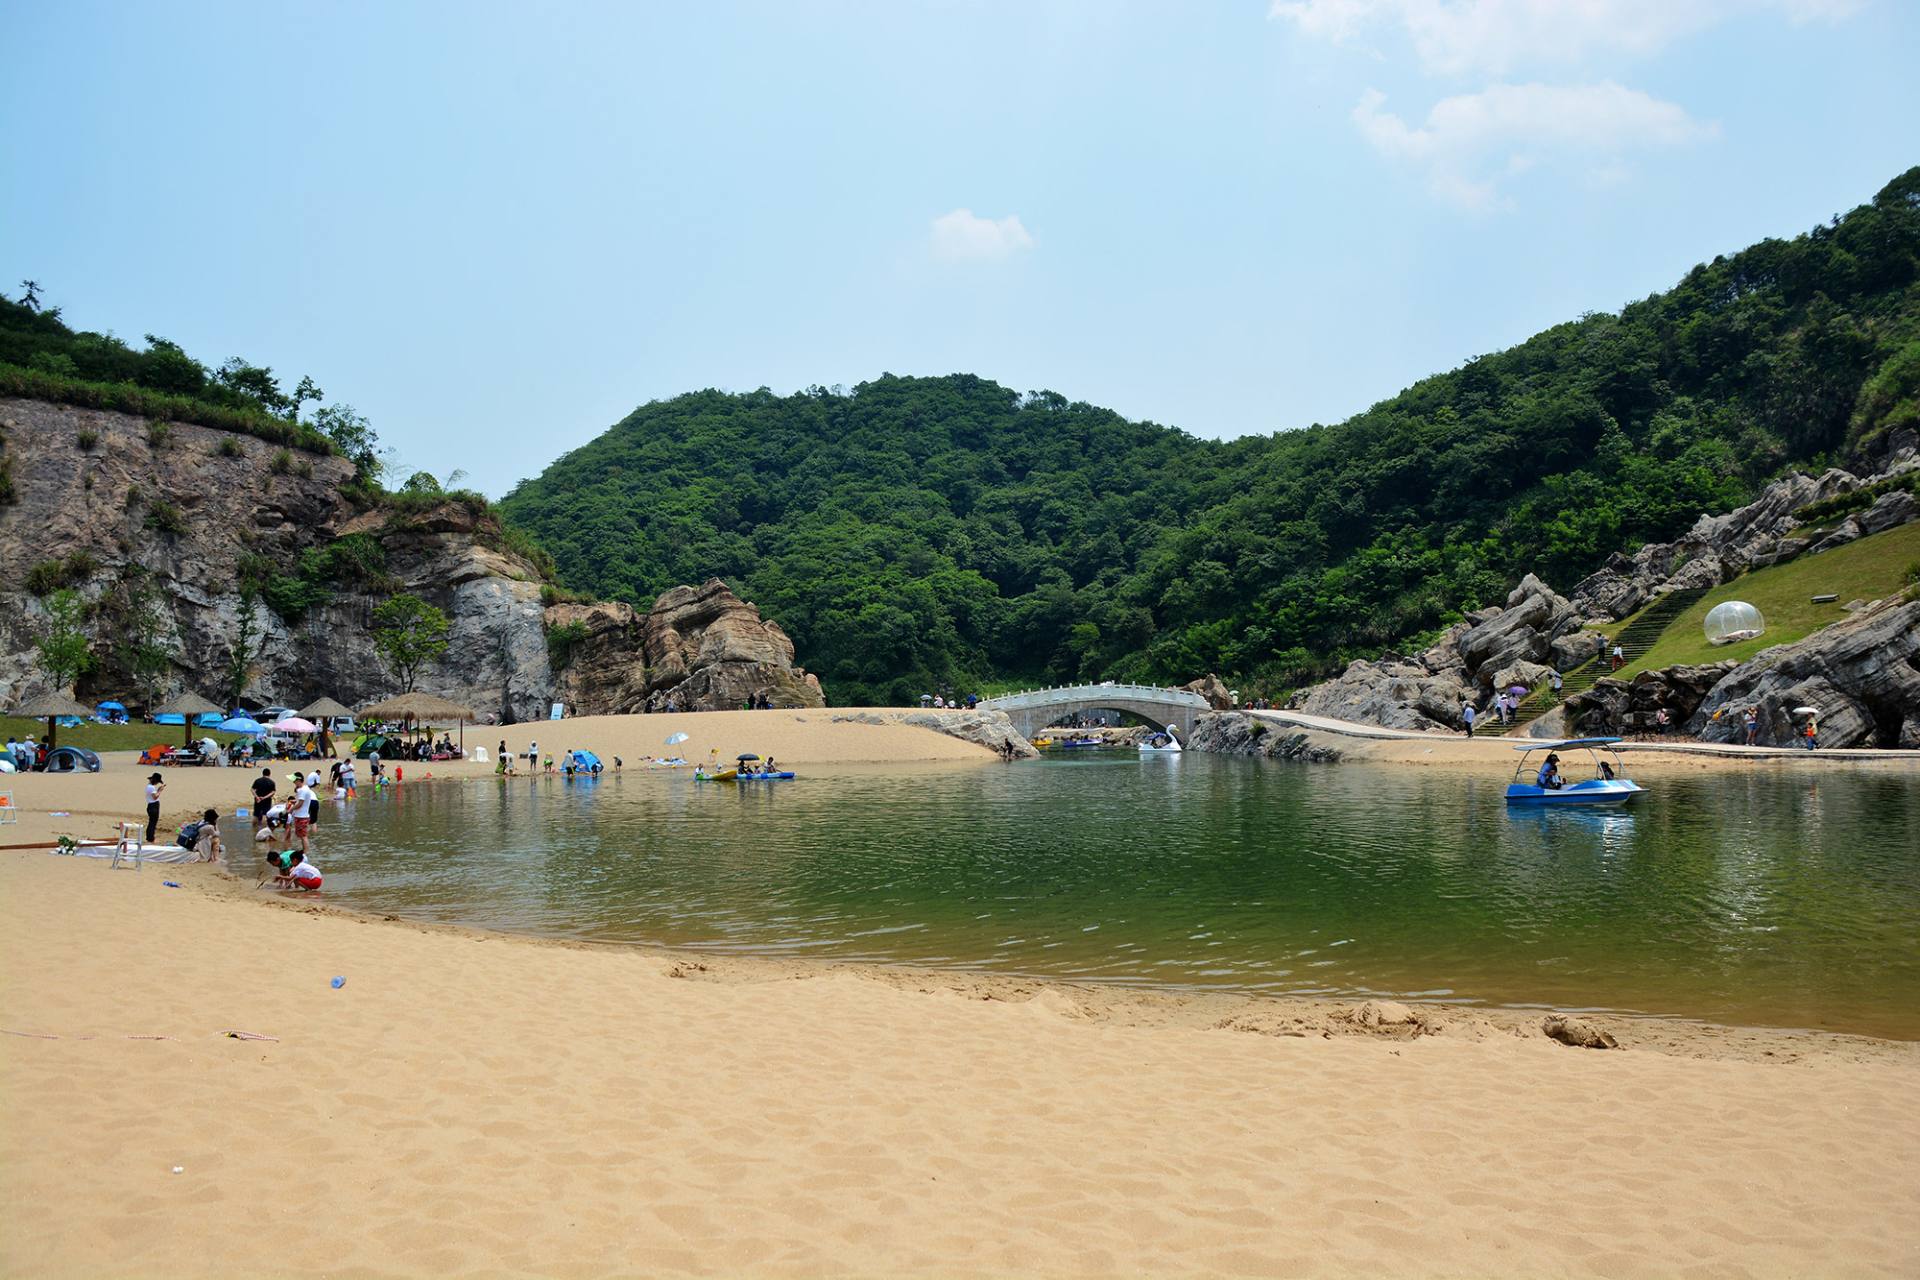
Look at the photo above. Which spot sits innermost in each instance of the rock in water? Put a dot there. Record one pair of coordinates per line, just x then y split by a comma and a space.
1575, 1032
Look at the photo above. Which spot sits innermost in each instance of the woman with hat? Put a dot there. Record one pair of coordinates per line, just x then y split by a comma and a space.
154, 787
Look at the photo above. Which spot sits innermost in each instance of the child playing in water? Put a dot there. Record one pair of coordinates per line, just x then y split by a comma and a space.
303, 875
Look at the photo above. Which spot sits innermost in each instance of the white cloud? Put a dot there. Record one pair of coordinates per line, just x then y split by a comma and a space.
1469, 141
965, 236
1498, 36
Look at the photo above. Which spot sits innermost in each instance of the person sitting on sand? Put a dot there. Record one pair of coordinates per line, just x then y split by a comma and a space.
202, 837
305, 876
1549, 775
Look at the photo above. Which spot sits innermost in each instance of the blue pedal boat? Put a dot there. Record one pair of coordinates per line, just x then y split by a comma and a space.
1608, 785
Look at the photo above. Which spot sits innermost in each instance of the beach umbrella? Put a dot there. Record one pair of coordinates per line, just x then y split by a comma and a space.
1516, 689
675, 739
746, 756
50, 707
189, 706
1806, 711
325, 709
111, 706
420, 706
294, 724
243, 724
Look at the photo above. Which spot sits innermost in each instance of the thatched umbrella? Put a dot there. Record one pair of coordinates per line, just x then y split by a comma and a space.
410, 707
50, 707
187, 706
320, 713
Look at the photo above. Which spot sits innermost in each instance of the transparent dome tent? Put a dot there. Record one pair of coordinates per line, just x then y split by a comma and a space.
1732, 621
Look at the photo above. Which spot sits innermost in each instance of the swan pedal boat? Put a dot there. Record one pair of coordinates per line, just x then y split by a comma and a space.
1161, 744
1599, 789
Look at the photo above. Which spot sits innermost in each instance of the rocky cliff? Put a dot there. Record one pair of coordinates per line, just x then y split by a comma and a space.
1489, 649
103, 502
698, 649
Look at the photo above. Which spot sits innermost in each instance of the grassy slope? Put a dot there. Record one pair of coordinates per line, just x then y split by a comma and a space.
107, 737
1865, 570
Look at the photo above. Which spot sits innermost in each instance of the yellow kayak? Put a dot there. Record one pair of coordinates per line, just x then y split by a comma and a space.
725, 775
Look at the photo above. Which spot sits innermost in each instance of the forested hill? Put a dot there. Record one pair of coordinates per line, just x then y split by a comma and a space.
920, 533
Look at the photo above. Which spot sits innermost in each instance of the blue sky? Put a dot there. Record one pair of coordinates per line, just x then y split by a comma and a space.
496, 229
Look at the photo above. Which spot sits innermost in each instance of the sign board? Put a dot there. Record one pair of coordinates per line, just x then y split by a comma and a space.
559, 711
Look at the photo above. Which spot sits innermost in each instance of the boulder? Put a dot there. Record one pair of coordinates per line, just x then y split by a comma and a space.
1528, 675
1576, 1032
1523, 631
1846, 531
990, 729
1895, 507
1863, 673
1394, 693
1575, 648
1444, 656
1236, 733
1213, 689
1615, 706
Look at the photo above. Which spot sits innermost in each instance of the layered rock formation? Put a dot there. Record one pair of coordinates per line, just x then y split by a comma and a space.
1235, 733
202, 510
1490, 649
698, 649
1862, 675
1764, 532
1633, 706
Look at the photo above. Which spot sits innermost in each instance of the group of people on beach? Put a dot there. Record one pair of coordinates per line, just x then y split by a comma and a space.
572, 761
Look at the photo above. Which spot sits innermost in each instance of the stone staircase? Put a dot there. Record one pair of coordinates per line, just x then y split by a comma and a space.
1634, 640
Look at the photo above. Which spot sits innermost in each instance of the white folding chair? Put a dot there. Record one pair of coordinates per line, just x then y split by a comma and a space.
130, 848
7, 812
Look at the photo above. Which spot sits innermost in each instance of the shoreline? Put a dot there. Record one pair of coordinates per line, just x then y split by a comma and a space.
1143, 1005
475, 1102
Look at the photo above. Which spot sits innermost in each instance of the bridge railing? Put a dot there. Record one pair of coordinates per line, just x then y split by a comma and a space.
1065, 693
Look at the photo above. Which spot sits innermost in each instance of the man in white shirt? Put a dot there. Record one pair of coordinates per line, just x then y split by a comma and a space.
304, 804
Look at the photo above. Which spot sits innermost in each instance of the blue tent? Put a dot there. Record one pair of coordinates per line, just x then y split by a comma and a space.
172, 717
586, 760
209, 719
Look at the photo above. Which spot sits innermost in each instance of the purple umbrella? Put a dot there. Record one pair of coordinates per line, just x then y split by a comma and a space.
1516, 690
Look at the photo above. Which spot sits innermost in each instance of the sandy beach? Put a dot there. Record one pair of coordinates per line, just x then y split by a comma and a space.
469, 1103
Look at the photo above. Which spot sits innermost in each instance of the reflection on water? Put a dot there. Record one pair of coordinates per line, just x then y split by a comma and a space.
1767, 898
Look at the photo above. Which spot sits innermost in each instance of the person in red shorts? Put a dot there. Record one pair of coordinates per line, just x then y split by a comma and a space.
304, 803
305, 876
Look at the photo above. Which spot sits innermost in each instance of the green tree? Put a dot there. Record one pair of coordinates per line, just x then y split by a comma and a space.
65, 650
353, 436
248, 643
256, 384
409, 634
307, 392
147, 637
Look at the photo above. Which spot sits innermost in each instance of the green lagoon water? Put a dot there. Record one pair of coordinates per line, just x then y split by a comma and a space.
1776, 897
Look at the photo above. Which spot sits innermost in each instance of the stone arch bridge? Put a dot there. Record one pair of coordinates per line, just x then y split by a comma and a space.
1034, 709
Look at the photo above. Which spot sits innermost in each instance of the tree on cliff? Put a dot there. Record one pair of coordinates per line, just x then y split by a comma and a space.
64, 652
146, 637
247, 644
409, 634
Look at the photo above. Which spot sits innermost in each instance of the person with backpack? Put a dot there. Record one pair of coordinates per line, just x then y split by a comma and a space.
202, 836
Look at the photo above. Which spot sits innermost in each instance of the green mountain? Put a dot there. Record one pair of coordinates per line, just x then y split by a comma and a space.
917, 533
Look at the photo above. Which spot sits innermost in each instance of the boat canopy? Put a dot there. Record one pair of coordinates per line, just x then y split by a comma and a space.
1570, 742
